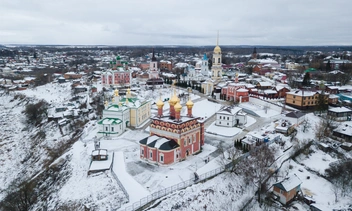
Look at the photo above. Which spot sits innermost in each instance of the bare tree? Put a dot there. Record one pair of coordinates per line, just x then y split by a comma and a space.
255, 168
324, 127
306, 125
229, 157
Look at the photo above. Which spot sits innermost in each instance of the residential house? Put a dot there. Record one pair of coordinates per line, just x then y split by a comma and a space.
263, 85
284, 126
287, 189
343, 132
340, 113
304, 99
281, 91
296, 117
333, 99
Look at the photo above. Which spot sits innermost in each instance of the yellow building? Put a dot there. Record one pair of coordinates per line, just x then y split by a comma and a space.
304, 99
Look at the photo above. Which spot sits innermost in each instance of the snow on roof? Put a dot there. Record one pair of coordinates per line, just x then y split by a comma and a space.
332, 96
344, 129
100, 152
264, 83
151, 139
159, 142
289, 183
278, 87
302, 93
339, 109
229, 110
269, 91
242, 90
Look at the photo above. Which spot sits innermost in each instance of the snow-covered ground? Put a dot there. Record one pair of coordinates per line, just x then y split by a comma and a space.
101, 192
317, 160
53, 93
223, 131
259, 109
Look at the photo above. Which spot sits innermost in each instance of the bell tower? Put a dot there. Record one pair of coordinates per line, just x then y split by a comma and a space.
216, 68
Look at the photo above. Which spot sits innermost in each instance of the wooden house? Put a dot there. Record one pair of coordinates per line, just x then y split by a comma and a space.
340, 113
287, 189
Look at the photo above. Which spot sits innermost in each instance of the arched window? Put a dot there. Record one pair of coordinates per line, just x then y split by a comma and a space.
219, 60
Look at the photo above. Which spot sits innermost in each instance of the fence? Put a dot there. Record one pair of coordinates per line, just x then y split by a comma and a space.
156, 195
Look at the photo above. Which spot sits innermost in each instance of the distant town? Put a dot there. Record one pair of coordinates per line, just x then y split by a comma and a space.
175, 127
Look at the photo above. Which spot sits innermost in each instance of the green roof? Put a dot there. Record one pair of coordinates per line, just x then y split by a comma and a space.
310, 70
110, 121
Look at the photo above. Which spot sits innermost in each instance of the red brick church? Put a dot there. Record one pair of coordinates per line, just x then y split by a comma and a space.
173, 137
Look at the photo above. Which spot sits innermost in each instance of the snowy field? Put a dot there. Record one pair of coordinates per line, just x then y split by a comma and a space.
203, 108
223, 131
53, 93
317, 160
259, 110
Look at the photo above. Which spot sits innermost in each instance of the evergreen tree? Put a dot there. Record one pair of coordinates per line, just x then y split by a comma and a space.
306, 79
328, 66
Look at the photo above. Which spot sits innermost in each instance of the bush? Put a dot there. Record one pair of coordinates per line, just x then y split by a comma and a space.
35, 113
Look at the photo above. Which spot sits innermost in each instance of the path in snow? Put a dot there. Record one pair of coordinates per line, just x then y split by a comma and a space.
135, 190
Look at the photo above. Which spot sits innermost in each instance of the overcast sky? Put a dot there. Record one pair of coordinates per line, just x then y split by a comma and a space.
176, 22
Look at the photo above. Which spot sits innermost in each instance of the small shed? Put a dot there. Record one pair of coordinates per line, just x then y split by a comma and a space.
100, 154
287, 189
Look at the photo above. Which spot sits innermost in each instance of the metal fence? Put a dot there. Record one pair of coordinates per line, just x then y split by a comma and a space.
156, 195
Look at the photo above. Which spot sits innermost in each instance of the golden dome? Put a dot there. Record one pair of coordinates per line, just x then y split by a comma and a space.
160, 103
217, 49
189, 103
178, 107
174, 99
116, 92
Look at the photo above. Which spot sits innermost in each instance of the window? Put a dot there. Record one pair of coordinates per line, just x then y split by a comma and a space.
162, 158
142, 152
294, 96
227, 123
189, 141
220, 117
106, 129
219, 60
112, 129
219, 123
151, 154
293, 102
228, 118
185, 143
